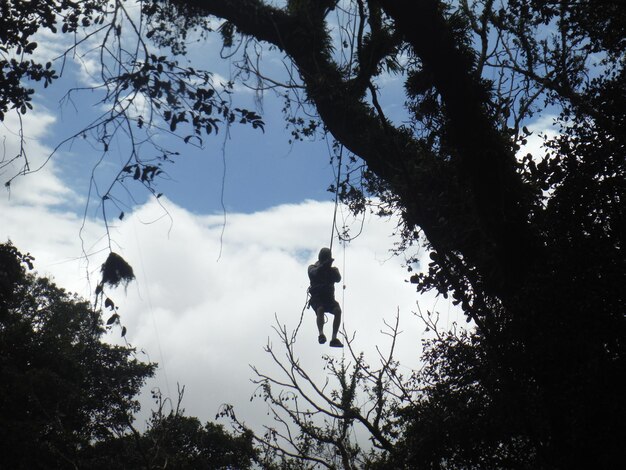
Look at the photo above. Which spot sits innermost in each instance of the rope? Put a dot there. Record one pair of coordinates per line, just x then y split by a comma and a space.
343, 302
151, 309
306, 304
334, 226
332, 236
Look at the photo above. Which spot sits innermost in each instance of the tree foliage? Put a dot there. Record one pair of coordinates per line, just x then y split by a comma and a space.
62, 388
68, 399
530, 246
173, 440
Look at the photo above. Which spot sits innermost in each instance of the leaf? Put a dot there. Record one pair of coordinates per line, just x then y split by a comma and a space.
112, 319
30, 47
108, 303
123, 331
121, 215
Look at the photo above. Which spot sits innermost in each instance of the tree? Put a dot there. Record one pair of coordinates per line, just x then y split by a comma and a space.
173, 440
61, 388
67, 399
316, 424
381, 416
531, 247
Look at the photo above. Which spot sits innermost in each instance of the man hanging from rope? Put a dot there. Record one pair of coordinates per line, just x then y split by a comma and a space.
323, 277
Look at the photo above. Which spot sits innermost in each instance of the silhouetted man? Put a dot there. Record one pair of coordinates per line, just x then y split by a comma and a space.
323, 277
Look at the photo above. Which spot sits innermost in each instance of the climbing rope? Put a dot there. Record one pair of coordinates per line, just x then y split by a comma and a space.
334, 225
343, 243
306, 304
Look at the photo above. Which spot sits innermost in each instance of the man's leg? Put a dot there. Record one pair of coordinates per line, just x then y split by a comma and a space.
336, 324
337, 321
320, 324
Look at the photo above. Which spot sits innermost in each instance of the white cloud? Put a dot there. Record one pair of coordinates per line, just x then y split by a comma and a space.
213, 317
44, 189
51, 46
207, 321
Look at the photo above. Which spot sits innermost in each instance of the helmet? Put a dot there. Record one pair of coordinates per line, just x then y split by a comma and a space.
325, 255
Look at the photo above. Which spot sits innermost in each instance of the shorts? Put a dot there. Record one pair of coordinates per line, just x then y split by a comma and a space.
328, 304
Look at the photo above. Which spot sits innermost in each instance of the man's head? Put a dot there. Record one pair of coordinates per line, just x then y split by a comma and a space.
325, 256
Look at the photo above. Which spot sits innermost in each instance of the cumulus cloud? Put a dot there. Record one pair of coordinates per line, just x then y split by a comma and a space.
46, 189
207, 297
207, 320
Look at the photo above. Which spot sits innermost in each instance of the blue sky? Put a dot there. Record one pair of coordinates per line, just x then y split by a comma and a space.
262, 168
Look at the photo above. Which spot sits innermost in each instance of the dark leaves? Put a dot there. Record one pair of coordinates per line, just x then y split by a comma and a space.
62, 386
250, 117
141, 172
113, 318
30, 48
